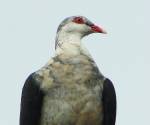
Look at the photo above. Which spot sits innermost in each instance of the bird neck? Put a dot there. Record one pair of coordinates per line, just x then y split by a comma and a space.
69, 44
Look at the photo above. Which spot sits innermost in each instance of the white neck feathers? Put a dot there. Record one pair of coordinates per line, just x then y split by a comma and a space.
70, 44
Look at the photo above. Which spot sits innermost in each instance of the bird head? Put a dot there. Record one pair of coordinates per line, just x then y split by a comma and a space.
79, 25
75, 27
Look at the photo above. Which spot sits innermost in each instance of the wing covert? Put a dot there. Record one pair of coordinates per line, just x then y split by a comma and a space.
109, 103
31, 102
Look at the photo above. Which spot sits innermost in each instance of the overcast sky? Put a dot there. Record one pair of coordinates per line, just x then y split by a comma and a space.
27, 33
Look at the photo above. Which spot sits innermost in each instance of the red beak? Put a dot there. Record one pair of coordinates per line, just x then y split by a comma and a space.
97, 29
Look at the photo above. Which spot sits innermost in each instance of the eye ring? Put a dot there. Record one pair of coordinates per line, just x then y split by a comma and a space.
78, 20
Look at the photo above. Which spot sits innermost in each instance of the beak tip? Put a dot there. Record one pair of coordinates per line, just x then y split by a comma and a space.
104, 32
98, 29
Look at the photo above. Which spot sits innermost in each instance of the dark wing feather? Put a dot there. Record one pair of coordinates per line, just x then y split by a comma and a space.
31, 103
109, 103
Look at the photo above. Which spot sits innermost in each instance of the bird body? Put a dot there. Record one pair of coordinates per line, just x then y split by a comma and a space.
73, 89
69, 89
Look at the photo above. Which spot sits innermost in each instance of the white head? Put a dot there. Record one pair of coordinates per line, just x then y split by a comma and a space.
73, 29
78, 26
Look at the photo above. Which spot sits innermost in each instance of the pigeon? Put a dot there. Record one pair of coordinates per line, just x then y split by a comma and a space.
69, 89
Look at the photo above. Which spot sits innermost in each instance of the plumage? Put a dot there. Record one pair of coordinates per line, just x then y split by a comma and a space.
31, 103
109, 103
69, 89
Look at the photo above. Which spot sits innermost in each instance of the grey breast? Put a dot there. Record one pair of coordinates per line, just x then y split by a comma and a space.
73, 89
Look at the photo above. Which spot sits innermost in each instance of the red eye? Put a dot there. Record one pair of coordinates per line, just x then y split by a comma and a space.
78, 20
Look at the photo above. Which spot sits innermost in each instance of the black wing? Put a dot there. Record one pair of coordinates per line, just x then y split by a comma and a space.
31, 103
109, 103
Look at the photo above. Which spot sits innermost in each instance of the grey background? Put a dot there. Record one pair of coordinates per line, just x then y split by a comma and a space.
27, 33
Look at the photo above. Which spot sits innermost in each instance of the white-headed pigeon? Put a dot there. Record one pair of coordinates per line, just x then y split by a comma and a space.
69, 89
